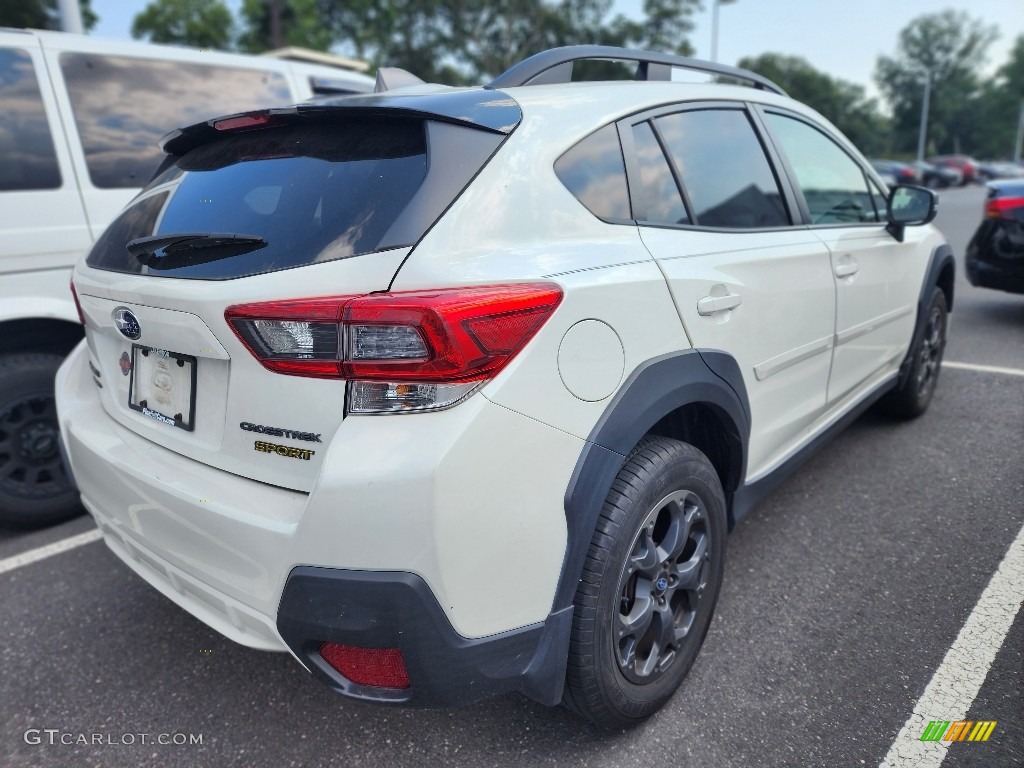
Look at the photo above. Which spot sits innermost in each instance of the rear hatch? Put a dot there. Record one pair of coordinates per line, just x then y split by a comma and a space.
314, 201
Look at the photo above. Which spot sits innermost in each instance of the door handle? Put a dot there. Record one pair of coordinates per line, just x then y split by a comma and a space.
847, 268
709, 305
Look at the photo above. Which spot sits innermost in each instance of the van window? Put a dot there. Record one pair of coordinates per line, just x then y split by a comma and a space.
123, 106
26, 146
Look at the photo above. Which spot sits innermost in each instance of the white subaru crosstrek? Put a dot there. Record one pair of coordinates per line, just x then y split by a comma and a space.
454, 392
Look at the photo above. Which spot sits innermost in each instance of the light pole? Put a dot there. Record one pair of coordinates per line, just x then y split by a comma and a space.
922, 134
70, 16
714, 26
1020, 134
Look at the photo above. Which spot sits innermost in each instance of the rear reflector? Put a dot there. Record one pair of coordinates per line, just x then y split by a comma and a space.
377, 667
412, 350
78, 304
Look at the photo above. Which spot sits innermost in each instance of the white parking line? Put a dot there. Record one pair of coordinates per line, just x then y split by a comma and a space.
956, 682
983, 368
41, 553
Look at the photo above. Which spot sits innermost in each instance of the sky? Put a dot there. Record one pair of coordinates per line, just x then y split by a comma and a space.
843, 39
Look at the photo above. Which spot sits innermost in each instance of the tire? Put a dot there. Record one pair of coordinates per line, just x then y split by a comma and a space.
35, 490
637, 628
912, 398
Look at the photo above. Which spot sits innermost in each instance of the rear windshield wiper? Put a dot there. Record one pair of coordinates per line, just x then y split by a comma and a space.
189, 248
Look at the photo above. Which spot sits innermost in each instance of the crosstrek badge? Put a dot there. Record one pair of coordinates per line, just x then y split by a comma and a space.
291, 434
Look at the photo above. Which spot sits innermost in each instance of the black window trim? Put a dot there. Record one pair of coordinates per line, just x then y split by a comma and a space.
869, 174
772, 156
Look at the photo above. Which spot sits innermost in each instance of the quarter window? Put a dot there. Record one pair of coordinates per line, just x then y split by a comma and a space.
26, 146
724, 169
124, 106
595, 174
834, 186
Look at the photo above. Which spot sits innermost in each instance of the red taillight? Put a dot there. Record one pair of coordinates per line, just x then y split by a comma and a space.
377, 667
907, 173
400, 352
999, 207
446, 335
78, 304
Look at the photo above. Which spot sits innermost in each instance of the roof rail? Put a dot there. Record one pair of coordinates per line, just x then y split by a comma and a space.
555, 66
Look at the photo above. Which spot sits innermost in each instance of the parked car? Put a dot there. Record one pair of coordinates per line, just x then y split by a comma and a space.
902, 173
456, 392
967, 166
938, 176
78, 139
995, 255
997, 169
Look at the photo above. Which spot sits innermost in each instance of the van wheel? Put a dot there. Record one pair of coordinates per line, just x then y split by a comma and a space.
35, 489
649, 584
911, 400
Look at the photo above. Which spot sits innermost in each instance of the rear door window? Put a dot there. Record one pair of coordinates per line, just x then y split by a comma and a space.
123, 106
724, 169
27, 157
658, 199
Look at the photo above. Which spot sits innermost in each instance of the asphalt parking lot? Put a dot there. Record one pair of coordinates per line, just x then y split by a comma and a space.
844, 592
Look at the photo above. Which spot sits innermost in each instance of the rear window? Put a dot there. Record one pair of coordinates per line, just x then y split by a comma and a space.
123, 106
313, 192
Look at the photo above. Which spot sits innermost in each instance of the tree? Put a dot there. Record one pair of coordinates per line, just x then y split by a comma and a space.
845, 104
40, 14
460, 41
998, 108
949, 48
199, 23
269, 24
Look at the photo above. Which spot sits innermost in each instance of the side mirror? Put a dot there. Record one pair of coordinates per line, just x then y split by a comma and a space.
909, 206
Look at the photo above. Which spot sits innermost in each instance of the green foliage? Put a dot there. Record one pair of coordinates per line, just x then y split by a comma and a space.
844, 104
298, 24
199, 23
40, 14
998, 108
460, 41
950, 48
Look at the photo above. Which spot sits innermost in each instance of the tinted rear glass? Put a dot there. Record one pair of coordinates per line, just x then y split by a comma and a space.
724, 169
313, 192
594, 172
123, 106
27, 158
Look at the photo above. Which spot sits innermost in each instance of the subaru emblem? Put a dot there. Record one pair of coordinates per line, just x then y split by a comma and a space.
127, 323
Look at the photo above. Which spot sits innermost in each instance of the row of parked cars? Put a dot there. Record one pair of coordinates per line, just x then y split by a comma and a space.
946, 171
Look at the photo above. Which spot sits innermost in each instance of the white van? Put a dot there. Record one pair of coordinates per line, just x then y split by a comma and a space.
80, 118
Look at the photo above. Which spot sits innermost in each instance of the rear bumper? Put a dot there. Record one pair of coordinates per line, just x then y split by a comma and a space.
412, 531
398, 610
984, 274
